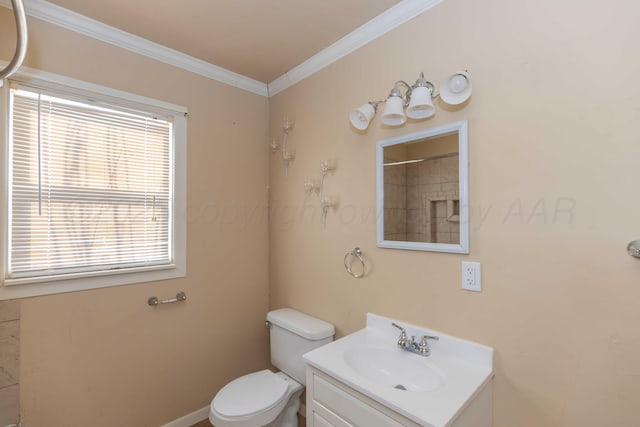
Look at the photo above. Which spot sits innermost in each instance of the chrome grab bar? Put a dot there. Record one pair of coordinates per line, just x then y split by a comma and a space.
153, 301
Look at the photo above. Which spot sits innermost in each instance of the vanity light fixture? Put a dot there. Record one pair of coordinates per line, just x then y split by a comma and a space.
417, 99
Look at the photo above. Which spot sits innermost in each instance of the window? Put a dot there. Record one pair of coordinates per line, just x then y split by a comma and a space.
91, 185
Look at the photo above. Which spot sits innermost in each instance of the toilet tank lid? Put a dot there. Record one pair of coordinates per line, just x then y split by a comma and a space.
301, 324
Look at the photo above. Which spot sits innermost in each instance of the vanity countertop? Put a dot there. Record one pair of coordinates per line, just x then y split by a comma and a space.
462, 368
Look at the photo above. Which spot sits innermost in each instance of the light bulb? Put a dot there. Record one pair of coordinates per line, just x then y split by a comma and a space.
457, 83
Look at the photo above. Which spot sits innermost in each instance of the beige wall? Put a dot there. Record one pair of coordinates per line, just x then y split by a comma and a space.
554, 151
105, 358
553, 129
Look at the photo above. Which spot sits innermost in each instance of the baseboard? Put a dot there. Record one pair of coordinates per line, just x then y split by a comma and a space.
202, 414
190, 419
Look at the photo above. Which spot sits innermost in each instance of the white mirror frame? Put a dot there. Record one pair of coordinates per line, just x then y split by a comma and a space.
461, 128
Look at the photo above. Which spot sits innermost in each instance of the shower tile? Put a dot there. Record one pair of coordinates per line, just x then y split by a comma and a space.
432, 190
9, 310
442, 225
395, 221
443, 238
415, 237
429, 172
9, 352
395, 174
391, 196
414, 221
9, 405
413, 197
449, 169
396, 236
413, 174
441, 209
450, 188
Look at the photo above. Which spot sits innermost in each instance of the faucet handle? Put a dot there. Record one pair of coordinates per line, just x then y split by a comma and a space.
402, 330
423, 348
402, 340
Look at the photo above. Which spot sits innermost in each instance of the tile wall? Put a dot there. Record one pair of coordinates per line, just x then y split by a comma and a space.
9, 360
432, 196
395, 201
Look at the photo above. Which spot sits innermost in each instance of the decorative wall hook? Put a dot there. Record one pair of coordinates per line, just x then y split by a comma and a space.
310, 186
288, 155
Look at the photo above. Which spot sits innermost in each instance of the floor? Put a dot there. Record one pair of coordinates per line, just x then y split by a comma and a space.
206, 423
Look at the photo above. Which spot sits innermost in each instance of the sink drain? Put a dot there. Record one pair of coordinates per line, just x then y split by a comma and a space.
400, 387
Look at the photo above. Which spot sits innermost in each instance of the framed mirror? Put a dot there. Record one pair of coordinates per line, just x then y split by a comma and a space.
423, 190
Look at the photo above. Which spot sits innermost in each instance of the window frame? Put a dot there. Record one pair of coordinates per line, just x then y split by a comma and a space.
46, 285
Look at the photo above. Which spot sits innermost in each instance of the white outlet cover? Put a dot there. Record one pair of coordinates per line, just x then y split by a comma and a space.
471, 276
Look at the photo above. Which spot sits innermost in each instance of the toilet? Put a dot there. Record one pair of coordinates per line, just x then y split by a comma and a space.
265, 398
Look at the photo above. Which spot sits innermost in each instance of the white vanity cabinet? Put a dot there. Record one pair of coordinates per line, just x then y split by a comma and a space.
365, 380
331, 403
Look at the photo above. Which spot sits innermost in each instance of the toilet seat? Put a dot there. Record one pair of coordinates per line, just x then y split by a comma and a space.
250, 394
253, 400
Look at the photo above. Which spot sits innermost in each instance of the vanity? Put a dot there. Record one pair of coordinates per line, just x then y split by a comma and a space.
370, 379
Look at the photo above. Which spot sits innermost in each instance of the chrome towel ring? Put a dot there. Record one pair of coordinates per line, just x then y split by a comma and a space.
348, 260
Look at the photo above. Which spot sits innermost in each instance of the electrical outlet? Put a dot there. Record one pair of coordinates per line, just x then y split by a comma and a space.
471, 276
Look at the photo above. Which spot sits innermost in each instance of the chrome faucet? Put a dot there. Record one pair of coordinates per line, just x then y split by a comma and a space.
411, 345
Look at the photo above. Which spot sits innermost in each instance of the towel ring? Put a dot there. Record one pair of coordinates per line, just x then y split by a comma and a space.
356, 253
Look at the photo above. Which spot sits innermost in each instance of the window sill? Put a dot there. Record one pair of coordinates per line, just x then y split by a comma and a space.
24, 288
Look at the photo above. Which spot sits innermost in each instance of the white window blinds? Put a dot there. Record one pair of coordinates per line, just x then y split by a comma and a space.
90, 186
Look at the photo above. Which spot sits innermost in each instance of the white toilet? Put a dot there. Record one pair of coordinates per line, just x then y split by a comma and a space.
264, 398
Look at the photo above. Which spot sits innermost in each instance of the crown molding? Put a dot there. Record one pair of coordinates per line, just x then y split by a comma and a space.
51, 13
390, 19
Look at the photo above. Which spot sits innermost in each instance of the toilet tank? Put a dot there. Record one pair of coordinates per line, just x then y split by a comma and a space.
293, 334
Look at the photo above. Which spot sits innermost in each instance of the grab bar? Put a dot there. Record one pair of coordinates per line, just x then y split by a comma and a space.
153, 301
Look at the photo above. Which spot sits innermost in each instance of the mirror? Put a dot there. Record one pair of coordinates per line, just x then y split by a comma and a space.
423, 190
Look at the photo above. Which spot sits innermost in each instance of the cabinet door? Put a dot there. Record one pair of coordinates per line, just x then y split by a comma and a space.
318, 421
340, 406
349, 407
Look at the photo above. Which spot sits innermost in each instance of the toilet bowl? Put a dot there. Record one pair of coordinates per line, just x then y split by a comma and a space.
265, 398
258, 399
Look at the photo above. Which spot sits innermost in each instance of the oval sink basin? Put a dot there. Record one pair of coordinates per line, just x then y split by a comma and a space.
394, 368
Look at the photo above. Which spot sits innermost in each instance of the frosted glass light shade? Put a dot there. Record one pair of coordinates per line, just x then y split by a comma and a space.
394, 112
456, 89
361, 116
420, 106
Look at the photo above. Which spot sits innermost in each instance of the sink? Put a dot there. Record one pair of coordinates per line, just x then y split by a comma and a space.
394, 368
431, 391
